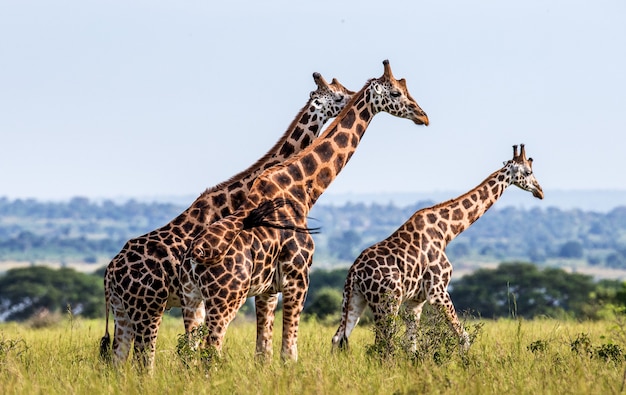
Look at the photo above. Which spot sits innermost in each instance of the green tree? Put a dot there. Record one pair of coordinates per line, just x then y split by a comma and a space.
325, 302
521, 289
25, 291
319, 279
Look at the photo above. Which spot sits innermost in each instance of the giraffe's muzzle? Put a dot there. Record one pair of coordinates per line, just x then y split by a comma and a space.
421, 119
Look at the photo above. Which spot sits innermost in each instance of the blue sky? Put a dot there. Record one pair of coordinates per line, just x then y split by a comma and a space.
108, 99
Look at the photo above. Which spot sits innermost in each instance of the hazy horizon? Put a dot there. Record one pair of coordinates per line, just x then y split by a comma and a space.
586, 200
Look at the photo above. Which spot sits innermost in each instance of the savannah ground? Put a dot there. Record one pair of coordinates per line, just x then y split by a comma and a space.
511, 356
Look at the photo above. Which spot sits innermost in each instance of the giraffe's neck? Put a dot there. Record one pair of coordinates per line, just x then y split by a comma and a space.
454, 216
313, 170
224, 198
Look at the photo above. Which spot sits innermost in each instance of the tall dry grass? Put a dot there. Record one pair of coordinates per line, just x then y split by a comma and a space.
509, 356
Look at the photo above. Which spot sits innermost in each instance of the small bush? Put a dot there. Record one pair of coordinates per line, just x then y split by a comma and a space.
435, 339
538, 346
582, 345
192, 351
609, 353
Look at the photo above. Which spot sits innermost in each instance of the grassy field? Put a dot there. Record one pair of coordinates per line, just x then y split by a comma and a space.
508, 356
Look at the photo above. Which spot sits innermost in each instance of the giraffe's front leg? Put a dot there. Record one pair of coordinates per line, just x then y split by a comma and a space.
444, 301
265, 306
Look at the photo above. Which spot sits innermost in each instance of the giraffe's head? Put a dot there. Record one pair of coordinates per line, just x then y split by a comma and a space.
329, 99
392, 96
521, 171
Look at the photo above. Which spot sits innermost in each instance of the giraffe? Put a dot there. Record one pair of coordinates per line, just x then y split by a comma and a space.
233, 259
141, 281
410, 267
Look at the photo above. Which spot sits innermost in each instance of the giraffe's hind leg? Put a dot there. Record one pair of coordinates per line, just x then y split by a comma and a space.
439, 297
146, 330
353, 308
123, 332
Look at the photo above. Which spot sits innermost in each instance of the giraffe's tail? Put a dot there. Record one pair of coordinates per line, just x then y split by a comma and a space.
340, 340
105, 342
259, 217
211, 246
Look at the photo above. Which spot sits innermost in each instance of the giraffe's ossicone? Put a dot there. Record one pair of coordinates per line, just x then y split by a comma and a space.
142, 280
410, 267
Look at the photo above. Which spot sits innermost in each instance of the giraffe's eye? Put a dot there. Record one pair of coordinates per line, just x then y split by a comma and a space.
527, 173
395, 94
338, 99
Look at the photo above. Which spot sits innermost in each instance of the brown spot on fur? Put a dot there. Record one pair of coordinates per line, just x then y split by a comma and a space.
324, 177
341, 139
324, 151
309, 164
365, 115
348, 120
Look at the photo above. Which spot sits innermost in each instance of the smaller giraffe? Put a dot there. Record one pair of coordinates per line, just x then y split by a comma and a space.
410, 267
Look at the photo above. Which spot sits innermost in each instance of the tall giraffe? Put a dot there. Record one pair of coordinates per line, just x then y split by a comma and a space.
231, 262
410, 267
142, 279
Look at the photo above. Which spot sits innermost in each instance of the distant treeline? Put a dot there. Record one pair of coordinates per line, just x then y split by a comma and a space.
515, 289
89, 231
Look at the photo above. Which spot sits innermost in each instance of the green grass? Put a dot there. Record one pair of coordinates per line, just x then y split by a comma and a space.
508, 356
